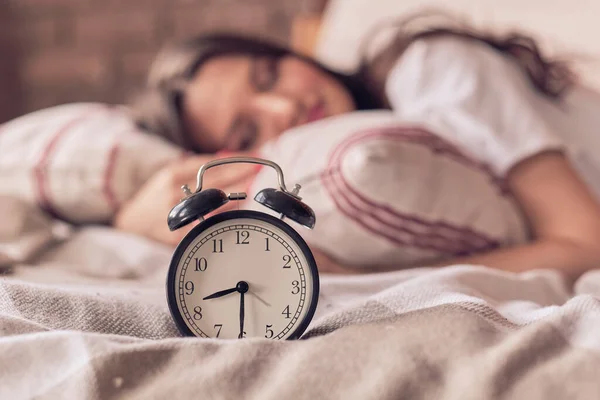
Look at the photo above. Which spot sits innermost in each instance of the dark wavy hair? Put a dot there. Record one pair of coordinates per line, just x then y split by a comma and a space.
157, 109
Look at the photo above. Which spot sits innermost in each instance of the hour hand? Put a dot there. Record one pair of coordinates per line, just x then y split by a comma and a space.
220, 293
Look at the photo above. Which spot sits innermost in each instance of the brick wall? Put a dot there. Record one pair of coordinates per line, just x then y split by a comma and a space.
59, 51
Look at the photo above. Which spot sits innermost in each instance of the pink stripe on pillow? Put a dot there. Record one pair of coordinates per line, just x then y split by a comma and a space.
395, 226
40, 171
464, 233
370, 221
109, 194
335, 162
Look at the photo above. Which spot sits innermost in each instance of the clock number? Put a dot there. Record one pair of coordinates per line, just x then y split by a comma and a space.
269, 332
201, 264
295, 287
267, 244
189, 286
197, 313
286, 312
243, 235
219, 248
287, 258
218, 327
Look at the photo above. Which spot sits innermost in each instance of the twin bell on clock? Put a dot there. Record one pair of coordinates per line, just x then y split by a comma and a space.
243, 273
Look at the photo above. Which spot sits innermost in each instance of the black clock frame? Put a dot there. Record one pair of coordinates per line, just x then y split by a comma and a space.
228, 215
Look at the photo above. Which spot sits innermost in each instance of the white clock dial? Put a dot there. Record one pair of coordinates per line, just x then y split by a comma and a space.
243, 250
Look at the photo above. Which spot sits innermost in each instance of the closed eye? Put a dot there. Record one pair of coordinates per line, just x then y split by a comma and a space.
265, 73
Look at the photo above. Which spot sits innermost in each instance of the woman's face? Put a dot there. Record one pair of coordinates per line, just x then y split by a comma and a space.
237, 103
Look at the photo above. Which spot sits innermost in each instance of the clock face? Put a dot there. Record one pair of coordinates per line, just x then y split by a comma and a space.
243, 274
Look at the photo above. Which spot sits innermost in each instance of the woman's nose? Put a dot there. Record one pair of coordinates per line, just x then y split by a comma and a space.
276, 112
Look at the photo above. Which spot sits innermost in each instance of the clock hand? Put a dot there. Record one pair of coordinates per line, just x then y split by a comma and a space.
242, 287
241, 315
221, 293
259, 298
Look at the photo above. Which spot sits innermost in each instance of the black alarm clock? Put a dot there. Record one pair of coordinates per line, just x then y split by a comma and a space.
243, 273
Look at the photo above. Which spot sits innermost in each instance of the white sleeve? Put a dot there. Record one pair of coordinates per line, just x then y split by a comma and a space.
473, 97
80, 161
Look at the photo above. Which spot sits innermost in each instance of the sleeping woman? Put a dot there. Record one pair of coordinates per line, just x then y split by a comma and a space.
496, 98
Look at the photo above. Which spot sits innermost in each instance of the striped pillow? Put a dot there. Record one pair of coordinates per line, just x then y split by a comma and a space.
78, 162
387, 192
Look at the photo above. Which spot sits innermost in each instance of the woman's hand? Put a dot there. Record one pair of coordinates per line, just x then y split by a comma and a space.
146, 213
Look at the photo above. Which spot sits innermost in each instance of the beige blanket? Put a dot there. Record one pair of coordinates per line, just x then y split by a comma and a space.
86, 318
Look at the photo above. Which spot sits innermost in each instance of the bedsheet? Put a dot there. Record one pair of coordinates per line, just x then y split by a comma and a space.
83, 315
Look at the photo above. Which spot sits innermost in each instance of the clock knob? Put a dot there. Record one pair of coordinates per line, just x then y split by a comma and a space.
287, 204
195, 206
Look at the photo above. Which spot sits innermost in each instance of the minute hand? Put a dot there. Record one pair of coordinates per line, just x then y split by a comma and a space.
220, 293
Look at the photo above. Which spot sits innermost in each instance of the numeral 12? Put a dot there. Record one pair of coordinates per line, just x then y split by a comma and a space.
242, 237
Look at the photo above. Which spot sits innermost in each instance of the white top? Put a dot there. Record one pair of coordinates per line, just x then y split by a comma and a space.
482, 101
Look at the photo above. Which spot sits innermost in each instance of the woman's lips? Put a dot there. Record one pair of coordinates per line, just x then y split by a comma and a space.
316, 112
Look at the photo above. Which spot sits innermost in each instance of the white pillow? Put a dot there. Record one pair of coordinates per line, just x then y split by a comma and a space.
568, 29
78, 161
386, 192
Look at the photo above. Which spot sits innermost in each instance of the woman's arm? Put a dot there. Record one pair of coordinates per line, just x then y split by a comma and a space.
484, 104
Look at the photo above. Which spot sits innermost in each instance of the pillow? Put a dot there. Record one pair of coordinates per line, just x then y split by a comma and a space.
563, 30
388, 192
78, 161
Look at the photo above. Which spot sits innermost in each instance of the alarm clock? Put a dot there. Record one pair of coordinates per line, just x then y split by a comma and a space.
243, 273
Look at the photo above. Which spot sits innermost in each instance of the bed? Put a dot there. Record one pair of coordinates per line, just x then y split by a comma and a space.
83, 314
87, 318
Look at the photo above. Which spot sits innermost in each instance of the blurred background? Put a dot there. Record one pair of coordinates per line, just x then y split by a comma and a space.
61, 51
